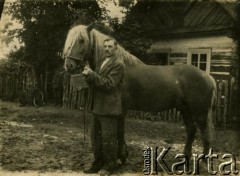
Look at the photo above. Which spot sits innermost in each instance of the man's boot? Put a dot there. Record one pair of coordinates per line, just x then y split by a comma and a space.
95, 167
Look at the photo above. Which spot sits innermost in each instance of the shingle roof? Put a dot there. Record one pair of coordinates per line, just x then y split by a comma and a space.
183, 16
229, 6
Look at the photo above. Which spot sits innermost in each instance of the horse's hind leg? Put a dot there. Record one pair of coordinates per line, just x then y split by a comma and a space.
191, 131
202, 124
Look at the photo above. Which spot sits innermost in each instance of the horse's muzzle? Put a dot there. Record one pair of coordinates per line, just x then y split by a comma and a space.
68, 66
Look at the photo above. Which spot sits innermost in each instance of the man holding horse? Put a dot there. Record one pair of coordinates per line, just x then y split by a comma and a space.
106, 106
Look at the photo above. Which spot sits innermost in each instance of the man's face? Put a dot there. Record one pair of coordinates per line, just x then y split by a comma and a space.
109, 48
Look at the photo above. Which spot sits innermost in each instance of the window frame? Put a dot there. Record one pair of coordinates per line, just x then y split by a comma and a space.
200, 51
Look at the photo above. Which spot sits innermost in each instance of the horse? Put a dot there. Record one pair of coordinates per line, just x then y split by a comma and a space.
151, 88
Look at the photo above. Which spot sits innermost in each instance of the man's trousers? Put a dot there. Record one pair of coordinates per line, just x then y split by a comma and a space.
104, 138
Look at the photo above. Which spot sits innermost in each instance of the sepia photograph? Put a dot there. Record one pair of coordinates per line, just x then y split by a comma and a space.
119, 87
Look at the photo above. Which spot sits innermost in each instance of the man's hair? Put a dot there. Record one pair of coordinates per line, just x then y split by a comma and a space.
110, 39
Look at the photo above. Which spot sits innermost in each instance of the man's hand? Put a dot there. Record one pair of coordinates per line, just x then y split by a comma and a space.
87, 70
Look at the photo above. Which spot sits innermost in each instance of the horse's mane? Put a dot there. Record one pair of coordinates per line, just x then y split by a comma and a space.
97, 38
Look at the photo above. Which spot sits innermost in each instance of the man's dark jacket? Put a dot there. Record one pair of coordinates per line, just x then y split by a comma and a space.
106, 83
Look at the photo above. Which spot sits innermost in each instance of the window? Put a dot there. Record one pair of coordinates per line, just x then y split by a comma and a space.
158, 57
200, 58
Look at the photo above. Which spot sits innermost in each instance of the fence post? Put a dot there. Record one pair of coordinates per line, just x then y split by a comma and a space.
225, 105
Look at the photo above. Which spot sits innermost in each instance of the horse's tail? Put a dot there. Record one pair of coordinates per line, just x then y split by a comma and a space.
211, 111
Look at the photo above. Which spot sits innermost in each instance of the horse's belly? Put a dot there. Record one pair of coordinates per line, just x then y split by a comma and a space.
151, 93
152, 102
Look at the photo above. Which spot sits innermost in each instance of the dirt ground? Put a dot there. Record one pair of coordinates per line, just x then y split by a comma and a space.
50, 141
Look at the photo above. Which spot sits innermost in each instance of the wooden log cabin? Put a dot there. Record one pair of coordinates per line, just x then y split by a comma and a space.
200, 33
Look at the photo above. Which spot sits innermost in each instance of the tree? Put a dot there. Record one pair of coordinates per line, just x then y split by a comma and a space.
1, 7
131, 32
45, 26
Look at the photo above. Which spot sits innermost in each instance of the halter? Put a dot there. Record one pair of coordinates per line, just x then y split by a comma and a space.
87, 57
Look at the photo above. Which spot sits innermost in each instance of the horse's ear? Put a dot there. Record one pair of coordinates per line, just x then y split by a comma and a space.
90, 27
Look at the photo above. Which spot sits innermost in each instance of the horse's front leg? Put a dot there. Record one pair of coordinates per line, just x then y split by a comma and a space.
122, 147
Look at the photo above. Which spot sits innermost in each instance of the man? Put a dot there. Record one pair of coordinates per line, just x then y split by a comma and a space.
106, 108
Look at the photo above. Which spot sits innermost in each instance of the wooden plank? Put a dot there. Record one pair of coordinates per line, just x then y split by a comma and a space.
219, 17
65, 85
231, 94
219, 57
219, 92
72, 99
220, 65
223, 50
178, 60
213, 16
182, 45
202, 12
178, 55
223, 18
162, 116
225, 105
159, 116
220, 73
192, 14
83, 102
165, 116
208, 13
70, 96
174, 114
179, 116
78, 102
170, 115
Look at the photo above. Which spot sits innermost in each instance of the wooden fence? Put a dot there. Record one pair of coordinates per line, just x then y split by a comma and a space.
169, 115
12, 84
74, 91
75, 97
223, 106
6, 87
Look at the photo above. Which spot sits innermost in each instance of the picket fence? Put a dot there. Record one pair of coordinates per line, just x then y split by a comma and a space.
12, 84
